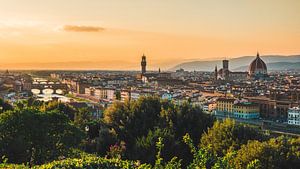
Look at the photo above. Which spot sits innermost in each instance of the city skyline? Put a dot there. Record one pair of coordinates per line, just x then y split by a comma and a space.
168, 32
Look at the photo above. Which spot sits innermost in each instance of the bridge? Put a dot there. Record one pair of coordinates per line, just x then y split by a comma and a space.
49, 85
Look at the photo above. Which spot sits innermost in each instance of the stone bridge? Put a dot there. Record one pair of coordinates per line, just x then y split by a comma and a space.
49, 85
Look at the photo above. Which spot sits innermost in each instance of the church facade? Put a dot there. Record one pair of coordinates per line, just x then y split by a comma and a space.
257, 70
224, 74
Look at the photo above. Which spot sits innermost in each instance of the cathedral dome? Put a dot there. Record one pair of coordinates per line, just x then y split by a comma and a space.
257, 67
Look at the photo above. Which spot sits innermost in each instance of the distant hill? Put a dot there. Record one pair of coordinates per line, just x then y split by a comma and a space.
274, 62
276, 66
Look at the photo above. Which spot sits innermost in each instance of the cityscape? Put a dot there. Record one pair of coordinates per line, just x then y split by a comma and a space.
63, 107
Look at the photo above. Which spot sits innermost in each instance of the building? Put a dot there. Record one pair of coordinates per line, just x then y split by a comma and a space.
294, 116
89, 91
167, 96
258, 68
277, 103
105, 93
223, 73
80, 87
209, 107
226, 75
225, 105
157, 77
101, 93
125, 95
134, 95
246, 110
143, 64
238, 75
238, 109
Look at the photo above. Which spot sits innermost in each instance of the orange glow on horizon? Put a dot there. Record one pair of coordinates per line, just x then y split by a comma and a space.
114, 36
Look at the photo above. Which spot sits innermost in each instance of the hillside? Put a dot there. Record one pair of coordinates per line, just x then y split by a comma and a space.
276, 62
276, 66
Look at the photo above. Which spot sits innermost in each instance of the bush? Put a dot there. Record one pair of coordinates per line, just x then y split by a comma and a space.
93, 162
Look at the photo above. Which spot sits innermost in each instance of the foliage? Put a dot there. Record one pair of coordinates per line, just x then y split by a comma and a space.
174, 163
118, 95
147, 145
5, 106
82, 117
278, 153
143, 133
93, 162
62, 107
228, 136
105, 139
36, 137
204, 159
140, 122
255, 164
201, 159
30, 103
117, 150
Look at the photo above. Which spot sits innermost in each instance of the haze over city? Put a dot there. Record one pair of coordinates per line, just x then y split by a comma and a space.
150, 84
104, 34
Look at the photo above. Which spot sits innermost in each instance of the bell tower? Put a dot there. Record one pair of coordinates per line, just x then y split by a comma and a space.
216, 73
143, 64
226, 69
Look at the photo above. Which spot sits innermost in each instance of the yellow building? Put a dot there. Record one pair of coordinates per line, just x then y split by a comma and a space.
246, 110
225, 105
232, 108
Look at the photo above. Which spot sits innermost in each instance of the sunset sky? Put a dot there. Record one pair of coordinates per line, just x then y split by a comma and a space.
115, 33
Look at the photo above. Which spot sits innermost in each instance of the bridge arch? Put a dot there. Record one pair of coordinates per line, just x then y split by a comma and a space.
56, 87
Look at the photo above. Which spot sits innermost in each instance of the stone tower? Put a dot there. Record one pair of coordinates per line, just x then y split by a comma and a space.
226, 69
216, 73
143, 64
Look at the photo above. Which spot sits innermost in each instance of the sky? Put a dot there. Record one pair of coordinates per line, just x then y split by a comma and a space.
114, 34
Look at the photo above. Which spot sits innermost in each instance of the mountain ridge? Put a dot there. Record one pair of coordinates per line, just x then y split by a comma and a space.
240, 63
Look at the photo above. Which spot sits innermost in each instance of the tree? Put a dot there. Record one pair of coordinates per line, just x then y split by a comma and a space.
68, 110
32, 103
278, 153
82, 117
140, 122
5, 106
228, 135
191, 119
118, 95
105, 139
182, 119
144, 149
36, 137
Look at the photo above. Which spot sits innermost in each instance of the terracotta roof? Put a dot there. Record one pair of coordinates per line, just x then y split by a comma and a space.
257, 65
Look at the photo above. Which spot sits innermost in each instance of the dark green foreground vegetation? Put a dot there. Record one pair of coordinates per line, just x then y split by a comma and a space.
147, 133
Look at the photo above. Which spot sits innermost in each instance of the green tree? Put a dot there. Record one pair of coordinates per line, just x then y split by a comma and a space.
140, 122
82, 117
191, 119
174, 163
32, 103
118, 95
182, 119
228, 135
36, 137
5, 106
106, 138
145, 146
68, 110
278, 153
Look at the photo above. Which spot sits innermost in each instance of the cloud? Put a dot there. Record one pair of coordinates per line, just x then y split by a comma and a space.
80, 28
